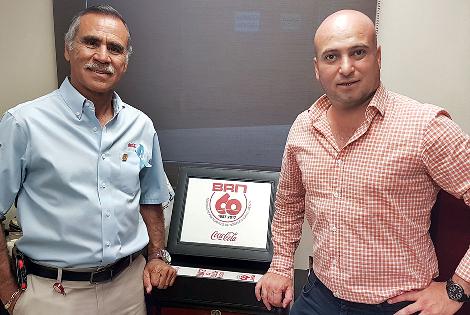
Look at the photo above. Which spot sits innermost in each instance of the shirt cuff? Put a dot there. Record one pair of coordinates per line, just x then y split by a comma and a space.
153, 201
463, 270
283, 266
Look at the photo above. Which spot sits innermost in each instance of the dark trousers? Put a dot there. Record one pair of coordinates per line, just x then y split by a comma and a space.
316, 299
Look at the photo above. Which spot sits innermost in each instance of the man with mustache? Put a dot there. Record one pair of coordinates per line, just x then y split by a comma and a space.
363, 165
87, 175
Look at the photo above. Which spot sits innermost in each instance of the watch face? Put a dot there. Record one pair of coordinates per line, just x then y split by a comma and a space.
166, 256
455, 292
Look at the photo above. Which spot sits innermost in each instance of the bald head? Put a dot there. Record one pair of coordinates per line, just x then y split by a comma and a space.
341, 23
347, 61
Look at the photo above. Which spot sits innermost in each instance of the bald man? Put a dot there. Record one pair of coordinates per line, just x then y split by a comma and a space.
363, 165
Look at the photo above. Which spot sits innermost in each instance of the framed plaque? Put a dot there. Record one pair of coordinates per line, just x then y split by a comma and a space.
224, 213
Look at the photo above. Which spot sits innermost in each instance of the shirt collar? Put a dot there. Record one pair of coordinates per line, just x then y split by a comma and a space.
76, 101
378, 101
319, 107
118, 104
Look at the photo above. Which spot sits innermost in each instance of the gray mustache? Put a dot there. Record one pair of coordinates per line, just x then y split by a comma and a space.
94, 66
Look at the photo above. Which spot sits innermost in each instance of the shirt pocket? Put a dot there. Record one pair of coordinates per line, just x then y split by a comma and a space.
128, 177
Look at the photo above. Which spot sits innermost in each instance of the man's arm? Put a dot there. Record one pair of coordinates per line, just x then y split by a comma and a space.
275, 288
7, 279
445, 152
156, 273
446, 155
153, 218
13, 143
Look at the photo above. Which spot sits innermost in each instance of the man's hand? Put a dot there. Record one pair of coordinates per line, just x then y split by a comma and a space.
158, 274
274, 290
429, 301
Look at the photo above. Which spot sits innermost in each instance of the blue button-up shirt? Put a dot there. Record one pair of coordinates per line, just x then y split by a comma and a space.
79, 185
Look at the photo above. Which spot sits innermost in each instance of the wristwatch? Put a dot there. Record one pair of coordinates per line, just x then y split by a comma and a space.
162, 254
456, 292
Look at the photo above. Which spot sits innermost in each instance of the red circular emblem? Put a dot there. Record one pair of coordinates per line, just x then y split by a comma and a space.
227, 208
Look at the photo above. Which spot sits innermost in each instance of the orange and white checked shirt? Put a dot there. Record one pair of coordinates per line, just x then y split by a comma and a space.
369, 203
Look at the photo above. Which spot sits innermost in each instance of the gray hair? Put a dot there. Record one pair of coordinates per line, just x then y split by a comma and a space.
99, 9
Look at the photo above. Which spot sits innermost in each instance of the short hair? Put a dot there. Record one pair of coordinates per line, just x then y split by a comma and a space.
99, 9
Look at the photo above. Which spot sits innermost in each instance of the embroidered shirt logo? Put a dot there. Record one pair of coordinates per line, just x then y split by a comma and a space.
145, 159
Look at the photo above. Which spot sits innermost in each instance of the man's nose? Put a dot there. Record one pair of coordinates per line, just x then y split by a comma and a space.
346, 67
101, 54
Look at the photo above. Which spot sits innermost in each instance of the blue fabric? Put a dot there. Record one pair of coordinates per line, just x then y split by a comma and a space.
79, 185
317, 299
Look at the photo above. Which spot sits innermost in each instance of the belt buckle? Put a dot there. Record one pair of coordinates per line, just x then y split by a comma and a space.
98, 271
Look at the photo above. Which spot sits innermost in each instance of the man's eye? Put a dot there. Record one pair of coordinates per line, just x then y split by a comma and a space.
115, 49
359, 52
90, 43
330, 57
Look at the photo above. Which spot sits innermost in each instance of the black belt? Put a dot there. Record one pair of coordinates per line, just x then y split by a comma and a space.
102, 274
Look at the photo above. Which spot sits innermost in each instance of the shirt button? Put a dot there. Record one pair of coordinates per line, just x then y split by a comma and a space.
108, 243
339, 162
108, 214
103, 156
333, 228
336, 194
77, 114
103, 185
95, 129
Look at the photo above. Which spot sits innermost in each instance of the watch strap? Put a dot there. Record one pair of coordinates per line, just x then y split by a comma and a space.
162, 254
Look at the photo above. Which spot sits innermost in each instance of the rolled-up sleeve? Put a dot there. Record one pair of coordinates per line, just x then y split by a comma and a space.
463, 269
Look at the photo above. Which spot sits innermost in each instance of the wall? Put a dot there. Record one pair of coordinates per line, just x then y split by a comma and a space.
27, 51
426, 52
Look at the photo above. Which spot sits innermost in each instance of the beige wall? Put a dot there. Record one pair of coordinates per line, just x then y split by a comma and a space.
27, 60
426, 52
27, 63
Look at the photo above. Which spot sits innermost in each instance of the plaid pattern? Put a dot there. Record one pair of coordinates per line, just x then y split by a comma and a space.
369, 203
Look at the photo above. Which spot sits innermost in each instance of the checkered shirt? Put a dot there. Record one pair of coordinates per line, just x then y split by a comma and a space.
369, 203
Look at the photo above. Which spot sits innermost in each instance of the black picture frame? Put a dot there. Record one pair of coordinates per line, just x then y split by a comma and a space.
206, 249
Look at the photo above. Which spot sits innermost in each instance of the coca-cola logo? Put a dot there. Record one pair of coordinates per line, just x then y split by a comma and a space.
228, 204
226, 237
